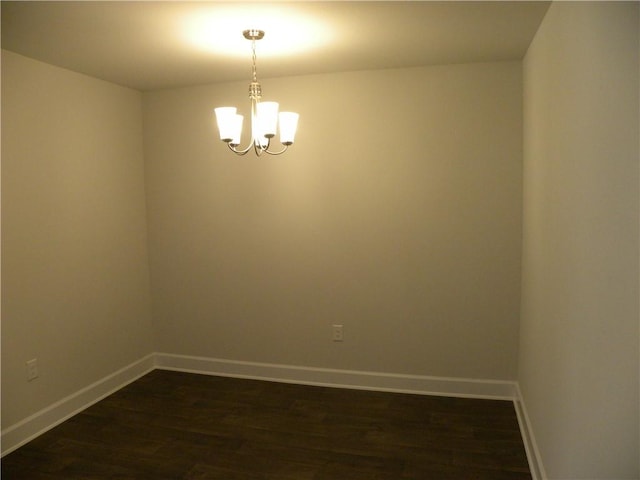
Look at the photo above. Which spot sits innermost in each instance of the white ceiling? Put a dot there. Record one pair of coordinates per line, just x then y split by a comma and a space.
150, 45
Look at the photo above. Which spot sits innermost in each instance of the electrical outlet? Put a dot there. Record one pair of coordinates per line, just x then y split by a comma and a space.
337, 333
32, 369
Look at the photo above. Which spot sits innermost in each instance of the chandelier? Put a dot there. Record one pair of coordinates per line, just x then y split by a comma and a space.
264, 117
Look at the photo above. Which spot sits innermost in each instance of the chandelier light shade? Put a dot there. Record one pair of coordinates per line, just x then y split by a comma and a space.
265, 119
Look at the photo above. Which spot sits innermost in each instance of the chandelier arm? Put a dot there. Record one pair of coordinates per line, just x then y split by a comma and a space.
278, 152
258, 149
239, 152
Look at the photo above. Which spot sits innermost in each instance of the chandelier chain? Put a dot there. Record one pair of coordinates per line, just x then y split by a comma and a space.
253, 57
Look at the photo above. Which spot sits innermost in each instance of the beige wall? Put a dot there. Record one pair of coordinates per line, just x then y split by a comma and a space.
578, 361
396, 214
75, 283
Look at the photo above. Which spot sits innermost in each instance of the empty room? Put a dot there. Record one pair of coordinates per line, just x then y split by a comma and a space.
421, 263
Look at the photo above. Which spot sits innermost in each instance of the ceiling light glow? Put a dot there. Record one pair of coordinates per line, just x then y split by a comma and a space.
219, 30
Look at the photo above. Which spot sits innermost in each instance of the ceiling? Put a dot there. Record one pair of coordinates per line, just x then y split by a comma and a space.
150, 45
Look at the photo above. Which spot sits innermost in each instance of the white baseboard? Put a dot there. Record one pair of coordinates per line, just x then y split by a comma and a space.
22, 432
451, 387
26, 430
533, 454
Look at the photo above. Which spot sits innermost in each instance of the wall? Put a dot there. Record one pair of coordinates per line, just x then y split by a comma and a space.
578, 360
75, 279
397, 214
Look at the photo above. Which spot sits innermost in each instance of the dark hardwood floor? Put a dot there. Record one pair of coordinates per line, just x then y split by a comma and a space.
170, 425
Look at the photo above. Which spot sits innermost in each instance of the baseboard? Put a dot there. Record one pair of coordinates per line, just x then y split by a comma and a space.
533, 454
424, 385
22, 432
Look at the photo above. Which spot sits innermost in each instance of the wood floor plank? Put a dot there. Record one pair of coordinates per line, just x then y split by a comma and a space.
171, 425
